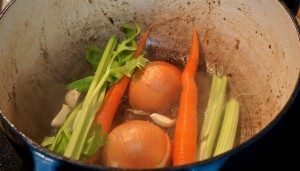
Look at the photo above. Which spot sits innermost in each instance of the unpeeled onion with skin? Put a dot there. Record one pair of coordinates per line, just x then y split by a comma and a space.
137, 144
156, 87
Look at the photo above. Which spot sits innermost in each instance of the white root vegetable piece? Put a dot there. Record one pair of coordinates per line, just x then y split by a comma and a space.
162, 120
72, 97
61, 117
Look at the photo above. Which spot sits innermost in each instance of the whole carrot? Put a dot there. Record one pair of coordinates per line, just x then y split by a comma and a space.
185, 138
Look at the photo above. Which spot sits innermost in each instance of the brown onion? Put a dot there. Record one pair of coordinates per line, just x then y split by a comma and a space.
156, 87
137, 144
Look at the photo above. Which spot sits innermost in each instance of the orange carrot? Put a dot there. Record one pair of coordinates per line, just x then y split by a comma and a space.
110, 104
185, 138
106, 113
112, 98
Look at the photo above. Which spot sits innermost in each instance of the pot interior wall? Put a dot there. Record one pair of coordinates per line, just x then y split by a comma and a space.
42, 46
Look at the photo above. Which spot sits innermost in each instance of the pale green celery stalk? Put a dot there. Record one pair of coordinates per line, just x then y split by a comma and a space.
229, 127
106, 72
102, 65
87, 113
67, 124
85, 125
121, 48
212, 117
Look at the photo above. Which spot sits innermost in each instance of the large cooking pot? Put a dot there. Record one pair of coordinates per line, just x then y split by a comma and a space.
42, 45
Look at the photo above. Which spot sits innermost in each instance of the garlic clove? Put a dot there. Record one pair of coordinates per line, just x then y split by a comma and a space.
162, 120
71, 98
61, 117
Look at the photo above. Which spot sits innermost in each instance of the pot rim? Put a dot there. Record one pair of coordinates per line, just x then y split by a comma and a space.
49, 154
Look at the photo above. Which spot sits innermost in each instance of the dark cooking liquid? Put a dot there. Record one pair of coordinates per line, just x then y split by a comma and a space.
203, 81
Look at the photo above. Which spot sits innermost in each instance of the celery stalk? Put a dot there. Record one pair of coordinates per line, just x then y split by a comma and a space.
102, 66
212, 118
66, 125
229, 127
112, 65
87, 113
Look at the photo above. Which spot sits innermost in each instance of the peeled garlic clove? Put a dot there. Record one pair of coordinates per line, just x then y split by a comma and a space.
72, 97
61, 117
162, 120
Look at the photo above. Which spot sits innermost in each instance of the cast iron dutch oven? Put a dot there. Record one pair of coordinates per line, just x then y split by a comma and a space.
42, 45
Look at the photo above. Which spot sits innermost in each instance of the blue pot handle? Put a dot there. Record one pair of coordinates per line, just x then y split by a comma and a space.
43, 162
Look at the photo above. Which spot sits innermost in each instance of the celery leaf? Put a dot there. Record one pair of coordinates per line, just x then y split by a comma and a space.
95, 141
81, 85
93, 55
127, 69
